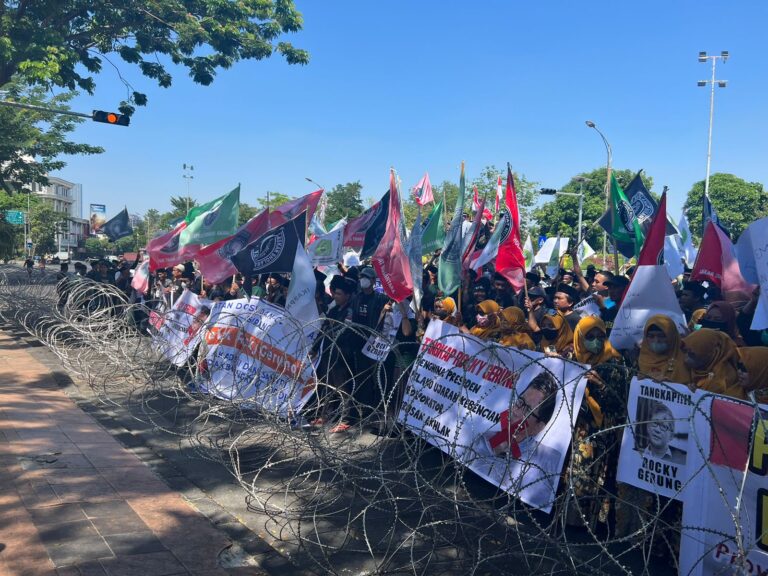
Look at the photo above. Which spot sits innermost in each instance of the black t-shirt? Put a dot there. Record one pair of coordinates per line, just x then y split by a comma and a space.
366, 308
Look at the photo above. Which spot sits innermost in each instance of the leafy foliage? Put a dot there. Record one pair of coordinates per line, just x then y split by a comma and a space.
345, 201
32, 141
737, 202
50, 42
45, 222
561, 216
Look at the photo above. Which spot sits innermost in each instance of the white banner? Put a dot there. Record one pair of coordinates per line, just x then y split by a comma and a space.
655, 444
259, 353
725, 510
327, 249
178, 332
505, 414
649, 293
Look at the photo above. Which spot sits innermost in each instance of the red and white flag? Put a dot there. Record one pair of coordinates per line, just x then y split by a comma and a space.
475, 200
510, 261
390, 260
164, 250
422, 192
140, 280
717, 262
214, 259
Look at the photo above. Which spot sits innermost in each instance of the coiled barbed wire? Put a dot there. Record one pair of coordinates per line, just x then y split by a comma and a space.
386, 502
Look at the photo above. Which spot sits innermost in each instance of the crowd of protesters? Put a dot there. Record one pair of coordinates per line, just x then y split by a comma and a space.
718, 352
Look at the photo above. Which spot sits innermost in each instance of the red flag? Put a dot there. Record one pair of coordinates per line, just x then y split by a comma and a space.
510, 261
354, 231
290, 210
653, 247
164, 250
390, 259
717, 263
214, 259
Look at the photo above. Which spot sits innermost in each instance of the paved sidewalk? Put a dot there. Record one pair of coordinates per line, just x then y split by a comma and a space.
74, 501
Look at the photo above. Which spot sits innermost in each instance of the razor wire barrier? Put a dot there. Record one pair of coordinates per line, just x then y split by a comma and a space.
378, 498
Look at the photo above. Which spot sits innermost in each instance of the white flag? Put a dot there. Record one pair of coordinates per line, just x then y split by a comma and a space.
326, 250
688, 249
752, 253
649, 293
585, 251
673, 258
545, 252
528, 253
300, 302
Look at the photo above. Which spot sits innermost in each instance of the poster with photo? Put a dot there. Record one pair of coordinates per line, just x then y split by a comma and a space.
655, 444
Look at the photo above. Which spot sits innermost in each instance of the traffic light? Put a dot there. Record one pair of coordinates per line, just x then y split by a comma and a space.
110, 118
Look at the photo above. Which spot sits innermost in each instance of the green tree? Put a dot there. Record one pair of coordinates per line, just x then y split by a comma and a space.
344, 201
65, 44
32, 141
561, 215
246, 213
737, 202
95, 247
44, 224
271, 200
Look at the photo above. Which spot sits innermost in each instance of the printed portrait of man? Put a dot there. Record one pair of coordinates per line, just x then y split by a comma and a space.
655, 432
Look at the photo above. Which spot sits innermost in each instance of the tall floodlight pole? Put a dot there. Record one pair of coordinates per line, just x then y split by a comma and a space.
608, 169
724, 55
188, 168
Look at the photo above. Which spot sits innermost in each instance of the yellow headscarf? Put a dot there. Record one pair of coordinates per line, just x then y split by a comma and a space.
489, 308
449, 304
583, 355
670, 366
564, 338
755, 360
719, 374
514, 329
695, 317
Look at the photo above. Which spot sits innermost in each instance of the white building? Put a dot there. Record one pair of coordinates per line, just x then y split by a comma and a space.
66, 198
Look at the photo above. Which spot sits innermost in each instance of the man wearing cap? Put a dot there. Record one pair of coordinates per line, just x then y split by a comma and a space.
691, 298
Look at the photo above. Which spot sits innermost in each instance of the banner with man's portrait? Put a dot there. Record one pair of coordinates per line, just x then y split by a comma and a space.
506, 414
655, 444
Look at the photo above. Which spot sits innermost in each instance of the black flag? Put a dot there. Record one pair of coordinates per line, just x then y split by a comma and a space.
375, 232
273, 251
644, 206
118, 227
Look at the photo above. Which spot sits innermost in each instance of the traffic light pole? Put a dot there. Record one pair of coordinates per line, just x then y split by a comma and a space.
44, 109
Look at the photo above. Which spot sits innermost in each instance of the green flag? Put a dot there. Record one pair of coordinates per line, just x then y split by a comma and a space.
449, 272
626, 228
213, 221
433, 233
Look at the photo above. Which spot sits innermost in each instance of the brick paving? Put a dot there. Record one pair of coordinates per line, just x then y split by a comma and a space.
73, 501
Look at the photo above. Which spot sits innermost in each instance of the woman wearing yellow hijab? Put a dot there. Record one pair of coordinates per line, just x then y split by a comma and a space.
514, 330
594, 456
556, 333
714, 360
445, 310
661, 356
487, 320
755, 359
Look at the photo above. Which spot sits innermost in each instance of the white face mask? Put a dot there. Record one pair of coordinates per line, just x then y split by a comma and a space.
365, 283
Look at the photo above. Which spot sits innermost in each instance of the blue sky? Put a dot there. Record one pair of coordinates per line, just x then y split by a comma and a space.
424, 85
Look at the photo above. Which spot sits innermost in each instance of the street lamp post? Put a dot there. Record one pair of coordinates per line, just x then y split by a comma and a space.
609, 153
724, 55
188, 168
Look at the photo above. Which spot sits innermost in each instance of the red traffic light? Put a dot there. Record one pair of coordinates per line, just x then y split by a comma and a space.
110, 118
